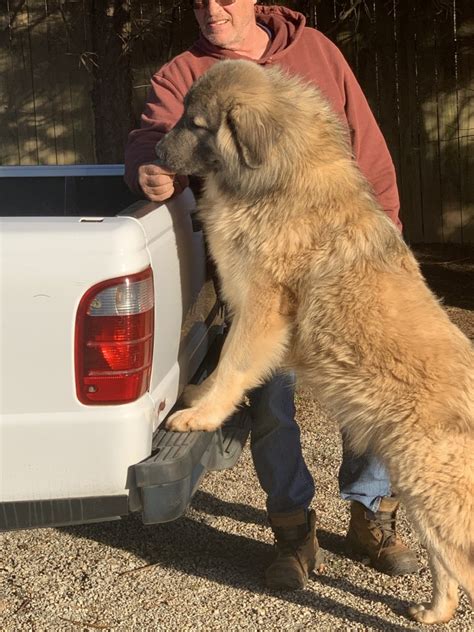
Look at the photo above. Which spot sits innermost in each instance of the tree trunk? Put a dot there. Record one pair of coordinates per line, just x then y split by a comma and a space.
112, 87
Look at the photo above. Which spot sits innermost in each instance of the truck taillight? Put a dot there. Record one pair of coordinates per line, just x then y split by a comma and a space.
114, 340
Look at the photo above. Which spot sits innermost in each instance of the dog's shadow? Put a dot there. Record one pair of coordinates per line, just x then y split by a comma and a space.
192, 545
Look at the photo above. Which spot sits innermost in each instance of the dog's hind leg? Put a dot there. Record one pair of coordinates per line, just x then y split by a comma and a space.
445, 595
254, 348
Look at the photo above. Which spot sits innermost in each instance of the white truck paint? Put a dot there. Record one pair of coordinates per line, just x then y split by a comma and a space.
53, 448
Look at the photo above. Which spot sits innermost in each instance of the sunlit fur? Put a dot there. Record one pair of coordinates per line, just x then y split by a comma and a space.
320, 281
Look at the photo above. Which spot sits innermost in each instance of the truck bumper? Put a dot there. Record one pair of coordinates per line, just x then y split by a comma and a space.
62, 473
26, 514
160, 487
73, 454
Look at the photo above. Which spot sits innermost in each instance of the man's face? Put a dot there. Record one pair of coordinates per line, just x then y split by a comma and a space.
226, 27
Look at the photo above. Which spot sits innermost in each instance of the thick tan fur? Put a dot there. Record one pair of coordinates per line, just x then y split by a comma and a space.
319, 281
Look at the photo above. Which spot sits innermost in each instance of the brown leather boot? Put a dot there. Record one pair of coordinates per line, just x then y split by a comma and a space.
374, 535
297, 550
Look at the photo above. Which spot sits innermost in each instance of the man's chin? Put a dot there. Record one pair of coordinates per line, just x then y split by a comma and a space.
219, 39
216, 41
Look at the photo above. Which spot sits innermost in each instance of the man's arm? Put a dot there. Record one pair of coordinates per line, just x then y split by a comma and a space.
162, 110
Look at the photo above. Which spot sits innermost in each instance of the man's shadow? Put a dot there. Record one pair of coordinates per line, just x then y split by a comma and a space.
192, 545
209, 504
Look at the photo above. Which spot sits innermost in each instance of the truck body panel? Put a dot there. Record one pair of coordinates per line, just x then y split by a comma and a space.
57, 454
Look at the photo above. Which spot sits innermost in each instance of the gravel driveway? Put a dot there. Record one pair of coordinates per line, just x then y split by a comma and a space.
205, 571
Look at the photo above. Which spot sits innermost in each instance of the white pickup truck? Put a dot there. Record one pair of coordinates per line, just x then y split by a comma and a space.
106, 312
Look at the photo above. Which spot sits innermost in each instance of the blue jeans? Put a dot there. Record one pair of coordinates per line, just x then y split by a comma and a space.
278, 459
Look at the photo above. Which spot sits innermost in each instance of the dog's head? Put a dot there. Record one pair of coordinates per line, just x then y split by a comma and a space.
229, 124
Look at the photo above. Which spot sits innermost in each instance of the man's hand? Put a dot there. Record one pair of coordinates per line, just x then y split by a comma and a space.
159, 184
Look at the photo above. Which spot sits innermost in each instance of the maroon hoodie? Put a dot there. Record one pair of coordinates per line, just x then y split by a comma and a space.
296, 48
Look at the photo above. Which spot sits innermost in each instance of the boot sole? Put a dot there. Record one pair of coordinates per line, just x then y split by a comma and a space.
318, 566
288, 587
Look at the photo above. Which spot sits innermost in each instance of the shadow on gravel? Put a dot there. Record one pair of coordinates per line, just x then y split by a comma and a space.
203, 501
209, 504
332, 542
195, 547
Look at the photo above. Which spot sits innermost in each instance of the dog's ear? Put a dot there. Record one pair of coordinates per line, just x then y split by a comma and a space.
254, 130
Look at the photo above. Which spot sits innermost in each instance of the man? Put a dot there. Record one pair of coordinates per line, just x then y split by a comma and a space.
233, 29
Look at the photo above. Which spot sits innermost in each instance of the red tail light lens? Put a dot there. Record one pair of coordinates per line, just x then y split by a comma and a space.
114, 340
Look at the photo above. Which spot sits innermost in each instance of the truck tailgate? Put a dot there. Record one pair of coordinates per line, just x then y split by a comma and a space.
52, 446
62, 460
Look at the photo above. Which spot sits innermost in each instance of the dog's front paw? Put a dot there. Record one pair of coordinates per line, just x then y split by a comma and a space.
423, 613
190, 419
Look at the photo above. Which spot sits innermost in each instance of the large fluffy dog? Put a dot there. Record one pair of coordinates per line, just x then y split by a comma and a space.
319, 280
